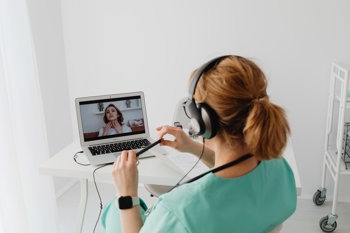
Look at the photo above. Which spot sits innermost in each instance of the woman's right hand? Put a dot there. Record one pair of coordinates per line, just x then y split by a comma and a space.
182, 141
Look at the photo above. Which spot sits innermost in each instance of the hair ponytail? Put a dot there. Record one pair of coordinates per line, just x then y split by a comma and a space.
266, 129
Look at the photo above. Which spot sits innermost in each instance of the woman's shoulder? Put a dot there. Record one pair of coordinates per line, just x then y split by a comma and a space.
280, 174
100, 132
280, 164
187, 194
126, 129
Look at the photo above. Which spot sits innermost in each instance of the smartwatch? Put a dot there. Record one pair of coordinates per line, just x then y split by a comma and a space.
127, 202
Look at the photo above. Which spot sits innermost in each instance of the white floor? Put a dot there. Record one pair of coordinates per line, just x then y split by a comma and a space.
306, 219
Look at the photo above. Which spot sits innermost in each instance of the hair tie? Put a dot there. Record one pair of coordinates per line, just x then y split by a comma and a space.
259, 99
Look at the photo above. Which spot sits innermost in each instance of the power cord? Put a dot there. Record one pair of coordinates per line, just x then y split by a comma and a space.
98, 193
75, 157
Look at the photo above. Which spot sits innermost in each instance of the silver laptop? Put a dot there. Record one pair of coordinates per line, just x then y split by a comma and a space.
109, 124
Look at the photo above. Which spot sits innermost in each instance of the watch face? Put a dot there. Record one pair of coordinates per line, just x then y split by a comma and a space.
125, 202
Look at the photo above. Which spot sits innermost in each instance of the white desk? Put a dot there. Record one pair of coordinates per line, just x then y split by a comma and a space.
157, 170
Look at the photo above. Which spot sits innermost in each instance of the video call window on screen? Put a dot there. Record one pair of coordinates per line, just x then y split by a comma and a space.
112, 118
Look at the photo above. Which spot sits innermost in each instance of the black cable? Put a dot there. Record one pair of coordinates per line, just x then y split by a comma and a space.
98, 193
199, 159
93, 175
222, 167
75, 159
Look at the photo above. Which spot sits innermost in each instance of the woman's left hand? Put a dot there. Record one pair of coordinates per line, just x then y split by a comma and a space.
125, 174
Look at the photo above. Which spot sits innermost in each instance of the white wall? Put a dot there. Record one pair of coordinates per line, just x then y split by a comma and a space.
119, 46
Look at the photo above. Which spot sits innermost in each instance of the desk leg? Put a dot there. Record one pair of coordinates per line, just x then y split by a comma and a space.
82, 206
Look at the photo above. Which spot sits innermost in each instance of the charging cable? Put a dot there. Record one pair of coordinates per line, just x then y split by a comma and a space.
75, 158
98, 193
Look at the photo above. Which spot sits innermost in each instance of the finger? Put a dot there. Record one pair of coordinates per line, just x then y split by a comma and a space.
169, 143
115, 164
123, 158
167, 127
161, 133
167, 130
132, 156
159, 128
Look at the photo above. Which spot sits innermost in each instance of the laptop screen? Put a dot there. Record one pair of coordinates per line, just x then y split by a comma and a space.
112, 117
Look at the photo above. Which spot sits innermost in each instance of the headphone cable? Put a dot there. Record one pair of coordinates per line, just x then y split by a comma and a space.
199, 159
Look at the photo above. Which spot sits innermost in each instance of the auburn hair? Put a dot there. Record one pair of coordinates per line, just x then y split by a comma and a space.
235, 89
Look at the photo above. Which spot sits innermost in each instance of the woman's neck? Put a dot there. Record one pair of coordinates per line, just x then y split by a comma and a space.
225, 154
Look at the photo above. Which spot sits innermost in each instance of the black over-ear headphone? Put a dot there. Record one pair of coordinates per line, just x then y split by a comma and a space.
204, 120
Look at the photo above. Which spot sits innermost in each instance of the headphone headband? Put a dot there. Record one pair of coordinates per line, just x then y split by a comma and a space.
204, 68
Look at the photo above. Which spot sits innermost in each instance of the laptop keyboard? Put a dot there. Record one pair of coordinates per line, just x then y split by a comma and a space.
119, 146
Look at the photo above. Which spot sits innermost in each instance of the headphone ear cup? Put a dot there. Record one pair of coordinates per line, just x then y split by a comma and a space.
196, 126
209, 119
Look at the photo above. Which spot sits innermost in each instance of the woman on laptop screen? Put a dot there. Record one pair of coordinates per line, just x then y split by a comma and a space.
250, 188
113, 118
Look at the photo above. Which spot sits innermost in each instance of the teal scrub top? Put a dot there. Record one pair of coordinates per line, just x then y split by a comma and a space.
254, 203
